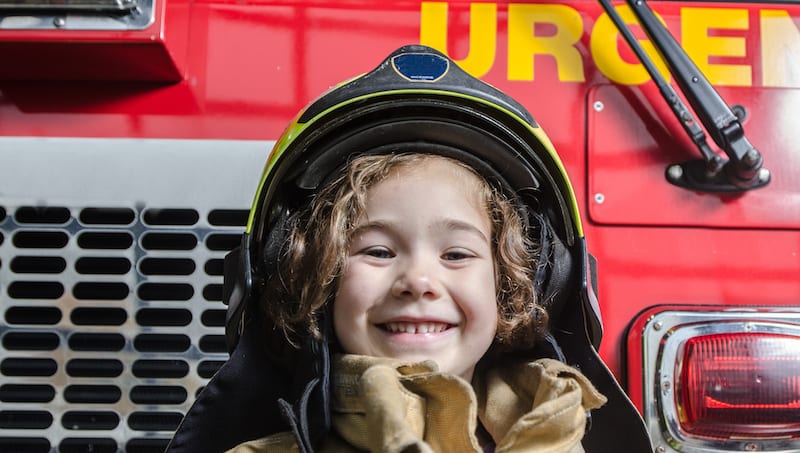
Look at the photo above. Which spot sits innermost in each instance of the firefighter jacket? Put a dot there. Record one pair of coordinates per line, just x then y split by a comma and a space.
383, 405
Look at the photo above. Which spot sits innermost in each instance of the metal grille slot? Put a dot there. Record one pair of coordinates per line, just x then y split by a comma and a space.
105, 240
213, 318
98, 316
154, 421
153, 394
166, 266
92, 394
228, 217
159, 342
25, 419
19, 393
184, 217
39, 215
82, 445
101, 368
102, 266
207, 368
163, 317
38, 264
26, 444
146, 446
104, 342
107, 216
90, 420
160, 369
14, 366
100, 290
30, 341
33, 315
212, 292
40, 239
35, 290
165, 291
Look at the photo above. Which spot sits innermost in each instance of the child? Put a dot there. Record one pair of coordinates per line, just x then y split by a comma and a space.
412, 279
426, 270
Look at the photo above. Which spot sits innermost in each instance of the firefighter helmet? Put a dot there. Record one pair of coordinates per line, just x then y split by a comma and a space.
419, 99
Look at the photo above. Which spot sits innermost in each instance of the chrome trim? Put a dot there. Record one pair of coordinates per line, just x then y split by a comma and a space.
663, 340
68, 5
125, 16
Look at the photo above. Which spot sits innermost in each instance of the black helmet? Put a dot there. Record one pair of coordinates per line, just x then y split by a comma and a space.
419, 99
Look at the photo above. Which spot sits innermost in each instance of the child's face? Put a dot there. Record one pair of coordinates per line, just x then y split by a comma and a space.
419, 280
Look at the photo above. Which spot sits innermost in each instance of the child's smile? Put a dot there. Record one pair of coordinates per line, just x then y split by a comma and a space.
415, 337
415, 327
420, 280
415, 333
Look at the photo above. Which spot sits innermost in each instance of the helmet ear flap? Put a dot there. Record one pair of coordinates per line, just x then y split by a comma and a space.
554, 268
242, 279
237, 288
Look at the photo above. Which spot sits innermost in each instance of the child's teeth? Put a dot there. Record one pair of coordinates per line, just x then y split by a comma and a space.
405, 327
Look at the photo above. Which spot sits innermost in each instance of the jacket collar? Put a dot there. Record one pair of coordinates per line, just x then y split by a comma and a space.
522, 405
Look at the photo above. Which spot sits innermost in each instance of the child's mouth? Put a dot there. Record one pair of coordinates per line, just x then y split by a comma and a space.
415, 327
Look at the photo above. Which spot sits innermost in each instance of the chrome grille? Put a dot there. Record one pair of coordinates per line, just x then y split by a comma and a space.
112, 319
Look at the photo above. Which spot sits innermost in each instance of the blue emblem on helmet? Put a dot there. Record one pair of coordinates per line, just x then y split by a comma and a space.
420, 67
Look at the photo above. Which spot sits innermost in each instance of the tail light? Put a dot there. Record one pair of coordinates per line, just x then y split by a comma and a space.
740, 385
722, 381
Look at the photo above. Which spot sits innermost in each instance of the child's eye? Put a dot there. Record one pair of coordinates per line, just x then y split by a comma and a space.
455, 255
378, 252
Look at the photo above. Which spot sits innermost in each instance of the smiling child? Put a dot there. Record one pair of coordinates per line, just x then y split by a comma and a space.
431, 270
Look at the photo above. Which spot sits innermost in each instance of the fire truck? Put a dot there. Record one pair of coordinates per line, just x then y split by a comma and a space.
133, 134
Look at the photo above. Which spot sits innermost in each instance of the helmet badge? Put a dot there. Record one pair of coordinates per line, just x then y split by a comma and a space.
420, 67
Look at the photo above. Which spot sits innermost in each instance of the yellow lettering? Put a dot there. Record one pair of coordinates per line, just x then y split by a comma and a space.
605, 51
780, 50
482, 34
695, 25
524, 45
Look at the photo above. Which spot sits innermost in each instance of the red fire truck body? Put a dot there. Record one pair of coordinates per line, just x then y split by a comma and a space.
149, 134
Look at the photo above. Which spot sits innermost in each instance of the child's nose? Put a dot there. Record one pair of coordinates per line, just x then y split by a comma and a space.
416, 282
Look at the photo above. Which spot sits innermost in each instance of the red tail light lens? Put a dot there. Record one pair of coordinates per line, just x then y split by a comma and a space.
739, 386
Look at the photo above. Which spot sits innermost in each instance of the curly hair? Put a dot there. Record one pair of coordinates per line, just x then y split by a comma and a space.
314, 257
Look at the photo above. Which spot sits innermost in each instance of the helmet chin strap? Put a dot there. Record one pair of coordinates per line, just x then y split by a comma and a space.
308, 411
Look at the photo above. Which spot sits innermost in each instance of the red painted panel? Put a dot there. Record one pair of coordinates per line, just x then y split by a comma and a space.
154, 54
642, 267
631, 141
